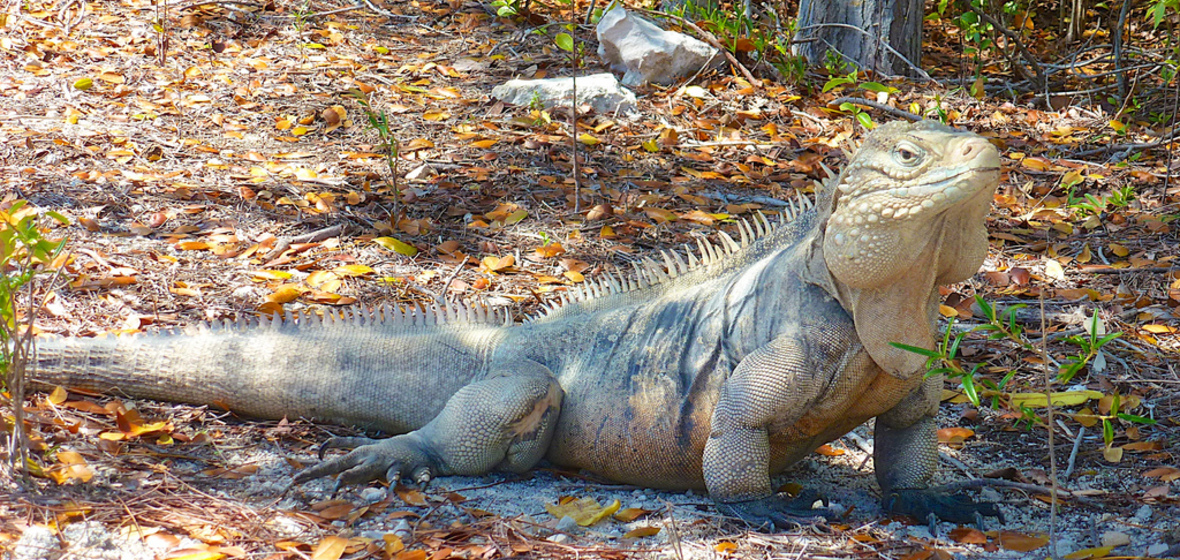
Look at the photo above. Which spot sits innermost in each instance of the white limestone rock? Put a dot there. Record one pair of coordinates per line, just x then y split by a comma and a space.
645, 53
600, 91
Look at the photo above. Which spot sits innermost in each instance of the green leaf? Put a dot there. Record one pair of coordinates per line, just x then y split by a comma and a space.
865, 120
969, 390
837, 82
1136, 419
916, 350
878, 87
564, 42
396, 246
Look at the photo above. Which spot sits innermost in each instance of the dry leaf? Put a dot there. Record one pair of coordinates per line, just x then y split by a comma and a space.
498, 264
585, 511
58, 395
725, 547
640, 532
967, 535
550, 250
1166, 474
954, 437
1087, 553
1054, 271
396, 246
1019, 542
631, 514
197, 555
331, 548
410, 496
1066, 398
352, 270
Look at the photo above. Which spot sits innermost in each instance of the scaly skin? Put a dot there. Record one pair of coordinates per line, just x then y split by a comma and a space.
718, 377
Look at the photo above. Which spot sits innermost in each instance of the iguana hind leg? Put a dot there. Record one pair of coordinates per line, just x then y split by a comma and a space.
499, 423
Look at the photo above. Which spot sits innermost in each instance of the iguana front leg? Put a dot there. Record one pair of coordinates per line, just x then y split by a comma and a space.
905, 454
503, 422
773, 386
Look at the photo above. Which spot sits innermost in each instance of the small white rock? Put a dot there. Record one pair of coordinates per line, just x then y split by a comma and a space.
372, 495
1157, 549
567, 525
402, 530
1143, 514
37, 542
1115, 538
920, 532
990, 495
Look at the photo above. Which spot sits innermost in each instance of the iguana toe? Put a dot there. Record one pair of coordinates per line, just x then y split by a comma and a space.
371, 459
344, 443
777, 512
922, 503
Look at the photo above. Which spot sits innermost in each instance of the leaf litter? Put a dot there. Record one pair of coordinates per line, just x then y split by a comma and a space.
199, 176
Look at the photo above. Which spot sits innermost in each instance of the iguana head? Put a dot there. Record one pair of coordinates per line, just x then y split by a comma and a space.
909, 186
906, 215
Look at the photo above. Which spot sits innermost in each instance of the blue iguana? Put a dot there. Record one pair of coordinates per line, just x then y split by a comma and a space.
711, 370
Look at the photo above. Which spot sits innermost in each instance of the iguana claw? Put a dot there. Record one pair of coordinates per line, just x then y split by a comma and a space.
777, 512
922, 503
370, 459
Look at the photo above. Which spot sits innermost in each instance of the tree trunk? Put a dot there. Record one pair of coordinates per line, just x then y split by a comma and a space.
857, 31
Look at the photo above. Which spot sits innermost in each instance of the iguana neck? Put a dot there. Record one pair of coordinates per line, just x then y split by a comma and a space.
904, 312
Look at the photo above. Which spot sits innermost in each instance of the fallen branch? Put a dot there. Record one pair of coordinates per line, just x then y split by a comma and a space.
1001, 483
900, 113
1130, 146
317, 235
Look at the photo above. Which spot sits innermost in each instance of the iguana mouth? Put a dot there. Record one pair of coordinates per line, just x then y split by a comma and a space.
949, 186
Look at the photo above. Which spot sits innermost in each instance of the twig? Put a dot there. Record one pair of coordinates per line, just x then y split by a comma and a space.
318, 235
958, 464
1150, 269
1053, 489
1073, 455
1040, 82
900, 113
737, 199
442, 296
574, 138
1001, 483
1132, 146
194, 3
1118, 49
675, 538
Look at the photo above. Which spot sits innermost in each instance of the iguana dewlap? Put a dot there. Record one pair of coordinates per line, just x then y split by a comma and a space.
716, 369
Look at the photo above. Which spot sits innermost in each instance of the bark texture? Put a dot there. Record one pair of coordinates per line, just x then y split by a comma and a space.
859, 30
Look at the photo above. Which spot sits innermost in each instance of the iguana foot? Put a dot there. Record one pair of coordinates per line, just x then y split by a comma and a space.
923, 503
371, 458
777, 512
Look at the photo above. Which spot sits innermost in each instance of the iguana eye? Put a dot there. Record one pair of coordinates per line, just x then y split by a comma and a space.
907, 154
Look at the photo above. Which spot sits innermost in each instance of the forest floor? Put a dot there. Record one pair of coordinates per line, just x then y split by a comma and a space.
187, 166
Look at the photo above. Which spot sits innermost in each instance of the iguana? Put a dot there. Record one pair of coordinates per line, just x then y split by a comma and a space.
714, 373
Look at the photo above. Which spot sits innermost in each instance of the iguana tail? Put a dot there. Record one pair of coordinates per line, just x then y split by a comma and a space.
386, 370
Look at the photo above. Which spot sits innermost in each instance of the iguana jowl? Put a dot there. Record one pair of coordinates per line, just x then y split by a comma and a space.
714, 374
